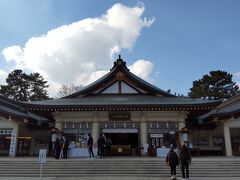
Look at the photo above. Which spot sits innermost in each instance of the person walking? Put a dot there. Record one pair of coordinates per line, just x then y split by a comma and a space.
185, 159
172, 161
90, 146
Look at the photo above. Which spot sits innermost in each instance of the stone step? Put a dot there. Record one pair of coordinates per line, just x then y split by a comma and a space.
115, 167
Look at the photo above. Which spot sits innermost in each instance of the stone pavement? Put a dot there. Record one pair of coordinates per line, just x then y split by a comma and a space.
114, 178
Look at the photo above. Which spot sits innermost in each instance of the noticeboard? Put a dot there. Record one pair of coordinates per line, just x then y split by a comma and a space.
42, 156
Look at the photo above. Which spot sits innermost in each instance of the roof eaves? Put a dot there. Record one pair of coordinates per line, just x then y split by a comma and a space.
37, 117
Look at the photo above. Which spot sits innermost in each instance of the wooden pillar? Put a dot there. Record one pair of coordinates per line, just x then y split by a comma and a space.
228, 144
143, 131
95, 127
180, 126
58, 122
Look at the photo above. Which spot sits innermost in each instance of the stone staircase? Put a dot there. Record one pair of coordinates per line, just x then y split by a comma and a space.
116, 166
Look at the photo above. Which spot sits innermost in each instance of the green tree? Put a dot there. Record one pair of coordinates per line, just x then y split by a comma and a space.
217, 85
23, 87
37, 89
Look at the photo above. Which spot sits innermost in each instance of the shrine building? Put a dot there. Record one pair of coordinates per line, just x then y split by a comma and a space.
138, 117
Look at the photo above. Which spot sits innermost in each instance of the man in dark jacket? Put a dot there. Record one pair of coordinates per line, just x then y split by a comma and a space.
65, 147
90, 145
58, 146
172, 161
102, 145
185, 158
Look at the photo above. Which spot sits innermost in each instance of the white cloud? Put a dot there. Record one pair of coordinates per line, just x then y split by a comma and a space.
142, 68
80, 52
236, 77
3, 76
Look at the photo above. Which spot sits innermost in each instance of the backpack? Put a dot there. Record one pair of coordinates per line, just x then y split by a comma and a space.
184, 154
172, 158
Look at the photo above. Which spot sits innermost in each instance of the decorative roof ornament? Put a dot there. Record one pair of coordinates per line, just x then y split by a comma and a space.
119, 62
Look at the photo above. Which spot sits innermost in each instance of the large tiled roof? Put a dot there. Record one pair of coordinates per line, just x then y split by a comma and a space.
115, 100
108, 102
229, 108
12, 112
15, 110
148, 96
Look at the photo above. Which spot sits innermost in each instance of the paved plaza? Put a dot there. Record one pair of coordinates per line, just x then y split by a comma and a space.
114, 178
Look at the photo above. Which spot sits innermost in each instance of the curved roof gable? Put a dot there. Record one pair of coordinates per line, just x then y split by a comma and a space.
120, 81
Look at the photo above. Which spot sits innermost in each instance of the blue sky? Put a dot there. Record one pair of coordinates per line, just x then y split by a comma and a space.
76, 41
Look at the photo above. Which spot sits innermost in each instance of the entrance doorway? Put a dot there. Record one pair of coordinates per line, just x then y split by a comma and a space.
123, 139
122, 143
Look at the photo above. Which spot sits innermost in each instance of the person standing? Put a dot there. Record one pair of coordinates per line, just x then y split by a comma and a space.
185, 159
172, 161
102, 145
99, 146
90, 145
54, 139
108, 146
50, 147
58, 146
65, 147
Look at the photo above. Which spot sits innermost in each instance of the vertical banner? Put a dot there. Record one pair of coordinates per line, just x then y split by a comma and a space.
12, 150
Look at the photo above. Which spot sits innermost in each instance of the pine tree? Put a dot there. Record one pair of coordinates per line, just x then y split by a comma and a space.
23, 87
37, 89
217, 85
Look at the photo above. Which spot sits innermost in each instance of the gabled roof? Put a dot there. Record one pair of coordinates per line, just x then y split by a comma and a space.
120, 76
121, 90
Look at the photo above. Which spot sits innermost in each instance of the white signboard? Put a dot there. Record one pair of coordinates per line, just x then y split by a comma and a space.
13, 144
128, 130
145, 148
156, 135
42, 155
185, 137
